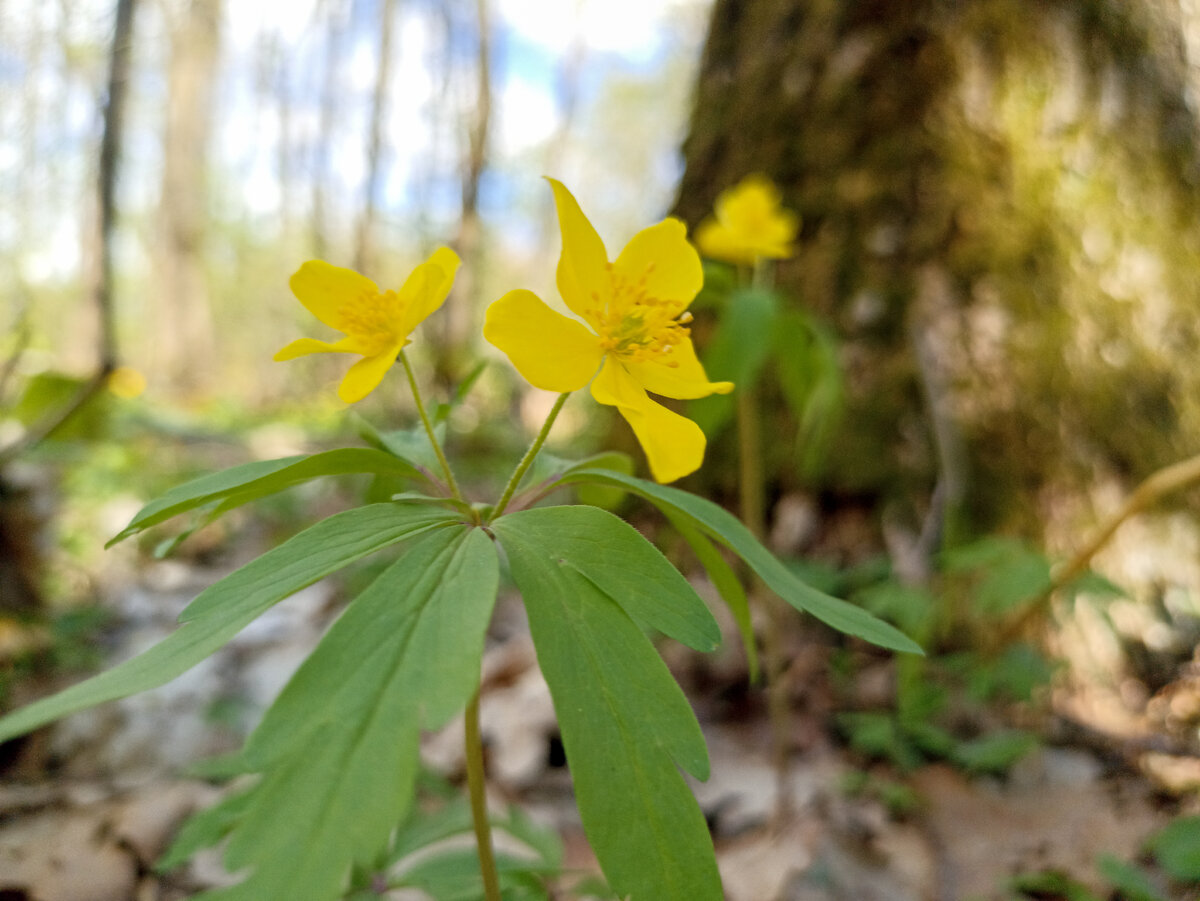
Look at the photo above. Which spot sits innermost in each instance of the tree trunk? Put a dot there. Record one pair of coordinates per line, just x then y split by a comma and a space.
333, 11
26, 500
931, 137
186, 339
364, 250
458, 319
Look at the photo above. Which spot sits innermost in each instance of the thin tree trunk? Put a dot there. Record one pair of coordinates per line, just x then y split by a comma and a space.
567, 94
20, 524
186, 338
364, 249
332, 10
459, 318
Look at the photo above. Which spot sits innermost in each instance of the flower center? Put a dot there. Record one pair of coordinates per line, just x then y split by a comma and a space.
372, 319
636, 326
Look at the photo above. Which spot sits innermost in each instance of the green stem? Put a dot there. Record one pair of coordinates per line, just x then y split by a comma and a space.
477, 785
753, 509
750, 472
437, 448
519, 472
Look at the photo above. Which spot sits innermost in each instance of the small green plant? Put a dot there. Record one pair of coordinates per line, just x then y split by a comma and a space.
326, 806
1172, 861
941, 700
758, 334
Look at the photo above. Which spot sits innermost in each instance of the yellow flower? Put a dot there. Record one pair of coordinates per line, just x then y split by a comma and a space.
750, 224
126, 382
636, 332
376, 323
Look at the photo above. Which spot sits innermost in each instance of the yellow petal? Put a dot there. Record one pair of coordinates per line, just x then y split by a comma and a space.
684, 379
551, 351
662, 255
323, 288
583, 266
718, 243
365, 375
780, 233
426, 289
304, 346
674, 445
751, 224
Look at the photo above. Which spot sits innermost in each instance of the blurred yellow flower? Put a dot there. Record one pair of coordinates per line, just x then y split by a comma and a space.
636, 334
126, 382
376, 323
750, 224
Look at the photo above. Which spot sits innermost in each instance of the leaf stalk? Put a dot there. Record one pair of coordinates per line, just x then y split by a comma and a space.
437, 447
527, 460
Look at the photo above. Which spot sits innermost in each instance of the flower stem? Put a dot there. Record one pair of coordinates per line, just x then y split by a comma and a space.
753, 509
437, 448
477, 786
519, 472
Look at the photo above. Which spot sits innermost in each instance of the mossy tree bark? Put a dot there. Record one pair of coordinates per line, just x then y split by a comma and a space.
972, 177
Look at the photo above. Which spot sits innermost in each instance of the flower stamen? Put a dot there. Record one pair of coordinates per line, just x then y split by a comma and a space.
634, 325
372, 318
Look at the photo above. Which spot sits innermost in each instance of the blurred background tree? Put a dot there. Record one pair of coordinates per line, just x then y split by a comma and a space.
999, 206
998, 200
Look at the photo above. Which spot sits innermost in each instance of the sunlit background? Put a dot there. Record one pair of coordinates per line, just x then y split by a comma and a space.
999, 249
263, 134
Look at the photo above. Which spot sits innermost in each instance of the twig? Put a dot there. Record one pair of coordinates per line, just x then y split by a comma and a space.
1157, 486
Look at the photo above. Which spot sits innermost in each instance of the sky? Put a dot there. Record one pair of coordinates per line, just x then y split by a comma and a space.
620, 45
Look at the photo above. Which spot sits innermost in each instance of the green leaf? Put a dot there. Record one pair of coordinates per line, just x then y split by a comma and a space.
424, 828
338, 750
996, 752
410, 445
251, 481
452, 874
225, 608
203, 830
1131, 881
625, 725
1052, 884
1016, 673
622, 564
452, 870
728, 585
1093, 584
810, 374
548, 468
442, 412
543, 840
737, 352
1009, 572
1177, 849
726, 529
911, 608
877, 735
50, 394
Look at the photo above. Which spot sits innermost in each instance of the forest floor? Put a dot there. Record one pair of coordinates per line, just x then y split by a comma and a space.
86, 806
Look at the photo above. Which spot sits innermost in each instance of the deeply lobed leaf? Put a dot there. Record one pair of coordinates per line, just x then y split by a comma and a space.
251, 481
725, 528
338, 750
226, 607
726, 582
615, 557
625, 723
